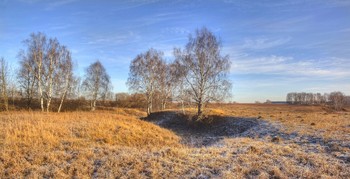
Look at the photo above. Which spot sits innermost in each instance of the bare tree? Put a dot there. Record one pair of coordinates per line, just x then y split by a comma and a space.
4, 75
97, 82
51, 62
75, 90
204, 68
180, 93
65, 79
167, 82
337, 100
27, 81
144, 74
33, 57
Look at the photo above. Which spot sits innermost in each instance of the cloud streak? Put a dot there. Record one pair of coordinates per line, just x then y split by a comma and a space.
264, 43
331, 68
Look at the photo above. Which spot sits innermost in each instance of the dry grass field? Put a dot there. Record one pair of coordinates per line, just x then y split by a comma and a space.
242, 141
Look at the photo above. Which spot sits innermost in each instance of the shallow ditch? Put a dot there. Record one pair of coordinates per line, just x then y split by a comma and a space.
197, 134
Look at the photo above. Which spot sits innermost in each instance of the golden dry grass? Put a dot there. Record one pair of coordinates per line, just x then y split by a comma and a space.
116, 144
303, 119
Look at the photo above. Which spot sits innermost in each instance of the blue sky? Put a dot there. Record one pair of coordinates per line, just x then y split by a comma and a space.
275, 47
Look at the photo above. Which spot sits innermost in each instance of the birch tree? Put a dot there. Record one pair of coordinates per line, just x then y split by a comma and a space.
167, 82
144, 74
180, 92
51, 64
33, 56
65, 79
204, 68
96, 83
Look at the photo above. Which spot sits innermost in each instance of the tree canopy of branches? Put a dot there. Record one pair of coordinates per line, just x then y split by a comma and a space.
45, 64
97, 83
27, 81
146, 73
204, 69
337, 100
4, 76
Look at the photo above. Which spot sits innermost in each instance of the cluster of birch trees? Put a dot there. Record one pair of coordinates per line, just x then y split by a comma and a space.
46, 73
197, 75
306, 98
336, 99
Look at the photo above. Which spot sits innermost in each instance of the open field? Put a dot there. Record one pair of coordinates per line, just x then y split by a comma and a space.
253, 141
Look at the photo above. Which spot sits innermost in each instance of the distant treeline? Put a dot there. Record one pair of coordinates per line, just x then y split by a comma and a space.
336, 100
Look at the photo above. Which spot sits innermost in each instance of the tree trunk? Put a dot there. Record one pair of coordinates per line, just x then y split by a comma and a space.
149, 104
148, 110
29, 102
41, 100
64, 93
48, 102
183, 106
93, 105
199, 112
62, 99
39, 82
164, 105
41, 93
94, 99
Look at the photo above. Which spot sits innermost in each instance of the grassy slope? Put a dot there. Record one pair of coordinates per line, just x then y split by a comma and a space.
117, 144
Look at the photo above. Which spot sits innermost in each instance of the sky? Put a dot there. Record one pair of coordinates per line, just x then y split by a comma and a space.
275, 47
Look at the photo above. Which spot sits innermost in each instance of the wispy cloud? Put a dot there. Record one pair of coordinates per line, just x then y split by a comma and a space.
264, 43
112, 39
330, 68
